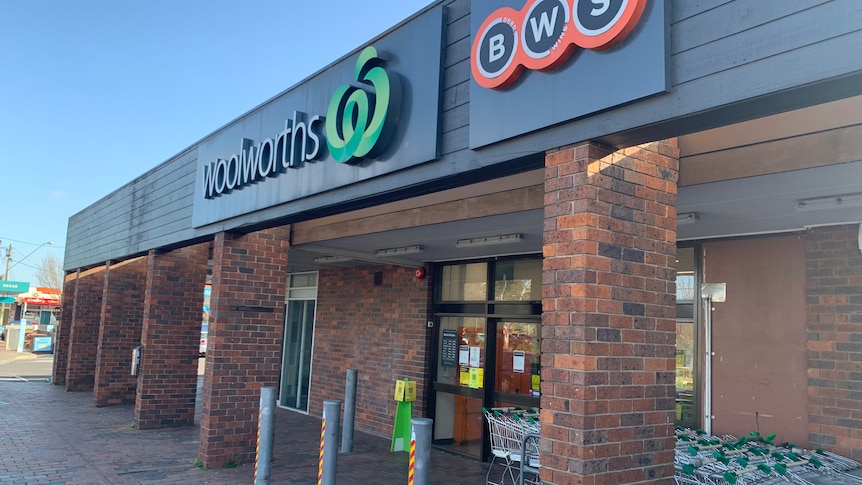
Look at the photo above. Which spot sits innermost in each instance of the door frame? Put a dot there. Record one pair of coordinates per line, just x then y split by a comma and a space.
492, 311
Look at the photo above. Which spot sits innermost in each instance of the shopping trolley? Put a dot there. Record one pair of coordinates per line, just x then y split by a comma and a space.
509, 428
727, 460
530, 465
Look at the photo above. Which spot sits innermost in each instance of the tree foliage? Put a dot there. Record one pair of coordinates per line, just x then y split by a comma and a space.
49, 272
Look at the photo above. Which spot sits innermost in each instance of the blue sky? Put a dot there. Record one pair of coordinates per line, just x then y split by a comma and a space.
95, 93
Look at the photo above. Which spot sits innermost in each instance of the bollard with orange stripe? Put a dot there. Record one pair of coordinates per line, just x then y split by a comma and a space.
257, 445
419, 472
329, 442
322, 441
265, 434
412, 457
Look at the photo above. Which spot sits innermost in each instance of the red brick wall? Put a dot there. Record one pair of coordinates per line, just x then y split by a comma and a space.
244, 344
834, 271
122, 320
380, 331
84, 331
61, 343
608, 328
173, 302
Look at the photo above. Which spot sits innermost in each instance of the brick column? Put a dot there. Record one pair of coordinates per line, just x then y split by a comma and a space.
84, 331
122, 319
173, 307
63, 330
244, 342
608, 329
834, 271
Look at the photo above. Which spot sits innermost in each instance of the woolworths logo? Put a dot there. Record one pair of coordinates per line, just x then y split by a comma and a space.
358, 125
359, 120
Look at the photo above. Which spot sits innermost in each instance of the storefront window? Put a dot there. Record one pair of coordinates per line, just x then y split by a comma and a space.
686, 338
298, 340
518, 280
464, 282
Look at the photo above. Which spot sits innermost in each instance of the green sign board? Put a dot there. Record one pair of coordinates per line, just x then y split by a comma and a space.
7, 299
14, 286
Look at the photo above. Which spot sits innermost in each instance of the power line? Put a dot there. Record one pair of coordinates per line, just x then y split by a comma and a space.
27, 243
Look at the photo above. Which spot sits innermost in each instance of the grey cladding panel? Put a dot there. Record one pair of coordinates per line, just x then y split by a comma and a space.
794, 30
154, 206
712, 24
456, 95
458, 29
688, 8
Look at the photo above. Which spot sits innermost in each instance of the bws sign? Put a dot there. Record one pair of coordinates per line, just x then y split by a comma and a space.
544, 33
358, 124
584, 56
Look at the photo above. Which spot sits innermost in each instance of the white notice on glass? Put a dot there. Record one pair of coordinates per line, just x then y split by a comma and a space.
518, 361
475, 352
463, 355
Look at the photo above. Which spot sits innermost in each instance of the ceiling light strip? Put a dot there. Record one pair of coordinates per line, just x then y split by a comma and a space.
832, 202
399, 251
488, 240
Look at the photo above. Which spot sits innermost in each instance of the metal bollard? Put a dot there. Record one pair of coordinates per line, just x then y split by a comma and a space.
329, 460
420, 452
263, 458
349, 411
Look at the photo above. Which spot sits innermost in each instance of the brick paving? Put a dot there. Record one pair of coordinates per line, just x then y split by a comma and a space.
48, 436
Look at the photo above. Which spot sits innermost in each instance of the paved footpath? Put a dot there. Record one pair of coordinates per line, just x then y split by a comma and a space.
48, 436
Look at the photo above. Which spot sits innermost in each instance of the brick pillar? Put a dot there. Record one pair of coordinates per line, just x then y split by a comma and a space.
173, 307
834, 271
84, 331
122, 319
608, 329
63, 330
244, 343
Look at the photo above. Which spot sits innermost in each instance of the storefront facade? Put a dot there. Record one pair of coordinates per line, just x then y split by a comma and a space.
629, 215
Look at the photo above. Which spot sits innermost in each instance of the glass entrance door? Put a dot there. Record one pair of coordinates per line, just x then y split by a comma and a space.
460, 384
487, 341
517, 364
298, 340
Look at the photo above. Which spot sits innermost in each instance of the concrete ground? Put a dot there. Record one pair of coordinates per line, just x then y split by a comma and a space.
48, 436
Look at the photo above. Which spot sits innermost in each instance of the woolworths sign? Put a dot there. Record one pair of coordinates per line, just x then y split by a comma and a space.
369, 115
358, 124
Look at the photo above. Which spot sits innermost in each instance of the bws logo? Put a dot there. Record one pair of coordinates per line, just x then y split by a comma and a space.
359, 122
544, 34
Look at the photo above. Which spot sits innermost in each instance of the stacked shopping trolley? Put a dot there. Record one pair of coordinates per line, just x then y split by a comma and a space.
720, 460
514, 445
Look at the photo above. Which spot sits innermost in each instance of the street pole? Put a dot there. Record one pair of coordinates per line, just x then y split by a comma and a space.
22, 329
5, 278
